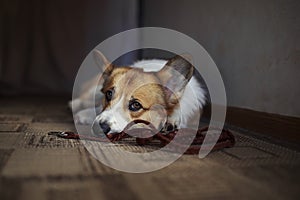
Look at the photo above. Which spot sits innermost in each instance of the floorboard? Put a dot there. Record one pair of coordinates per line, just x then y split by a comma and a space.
35, 165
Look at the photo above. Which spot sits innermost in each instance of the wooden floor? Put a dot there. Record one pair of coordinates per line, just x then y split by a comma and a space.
34, 165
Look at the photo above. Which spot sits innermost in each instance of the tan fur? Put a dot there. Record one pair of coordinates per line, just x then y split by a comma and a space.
159, 91
131, 83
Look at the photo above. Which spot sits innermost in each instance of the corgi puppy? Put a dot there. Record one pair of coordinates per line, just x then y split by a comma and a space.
163, 92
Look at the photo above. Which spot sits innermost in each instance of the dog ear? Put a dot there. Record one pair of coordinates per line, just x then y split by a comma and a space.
174, 76
102, 62
100, 59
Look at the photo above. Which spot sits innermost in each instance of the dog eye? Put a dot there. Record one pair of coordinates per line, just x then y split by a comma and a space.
135, 106
108, 95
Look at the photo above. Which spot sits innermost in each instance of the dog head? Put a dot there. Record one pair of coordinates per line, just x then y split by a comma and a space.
132, 94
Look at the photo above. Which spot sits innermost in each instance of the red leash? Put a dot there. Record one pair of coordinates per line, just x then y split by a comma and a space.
225, 140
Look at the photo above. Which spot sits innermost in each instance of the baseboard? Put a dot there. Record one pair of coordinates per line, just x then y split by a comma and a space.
278, 126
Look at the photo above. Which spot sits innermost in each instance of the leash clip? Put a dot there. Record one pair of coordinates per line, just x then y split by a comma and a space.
64, 134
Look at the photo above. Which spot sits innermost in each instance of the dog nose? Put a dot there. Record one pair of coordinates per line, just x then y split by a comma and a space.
105, 127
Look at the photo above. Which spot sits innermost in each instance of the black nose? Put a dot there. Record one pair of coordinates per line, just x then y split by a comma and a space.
105, 127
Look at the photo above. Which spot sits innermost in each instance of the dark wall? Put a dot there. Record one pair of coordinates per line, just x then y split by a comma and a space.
255, 44
43, 43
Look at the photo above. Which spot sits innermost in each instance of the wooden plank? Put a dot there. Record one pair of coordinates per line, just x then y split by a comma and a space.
281, 127
11, 127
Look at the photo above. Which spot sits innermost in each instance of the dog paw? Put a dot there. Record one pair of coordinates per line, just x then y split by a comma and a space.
75, 105
84, 117
83, 120
168, 128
